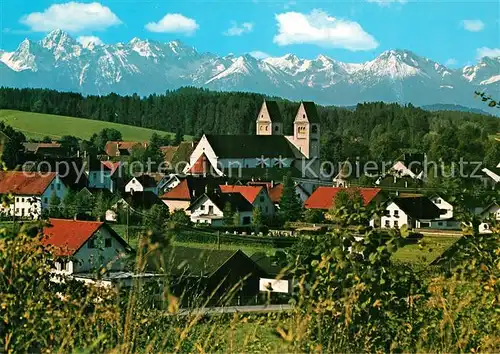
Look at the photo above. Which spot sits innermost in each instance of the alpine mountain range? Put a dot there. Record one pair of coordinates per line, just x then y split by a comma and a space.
144, 67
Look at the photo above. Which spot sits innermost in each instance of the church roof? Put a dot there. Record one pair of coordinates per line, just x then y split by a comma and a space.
274, 111
248, 146
311, 112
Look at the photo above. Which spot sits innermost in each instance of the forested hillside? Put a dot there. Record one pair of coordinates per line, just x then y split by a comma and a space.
375, 130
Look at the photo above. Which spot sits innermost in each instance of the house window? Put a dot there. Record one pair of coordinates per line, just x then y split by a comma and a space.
396, 213
440, 223
52, 187
396, 224
303, 116
91, 243
17, 210
438, 201
45, 200
58, 186
315, 129
202, 207
210, 209
107, 243
387, 223
17, 200
261, 199
276, 128
246, 220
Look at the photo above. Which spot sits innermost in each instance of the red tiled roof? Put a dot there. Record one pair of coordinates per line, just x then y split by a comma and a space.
180, 192
113, 166
25, 183
200, 166
68, 236
322, 198
249, 192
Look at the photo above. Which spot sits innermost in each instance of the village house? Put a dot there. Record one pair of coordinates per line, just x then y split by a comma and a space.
52, 149
414, 212
445, 207
133, 203
84, 246
200, 276
152, 182
323, 197
250, 155
490, 212
275, 191
257, 196
210, 209
188, 190
123, 148
28, 193
411, 165
105, 175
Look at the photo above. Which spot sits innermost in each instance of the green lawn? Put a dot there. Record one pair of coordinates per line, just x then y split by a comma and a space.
37, 126
424, 252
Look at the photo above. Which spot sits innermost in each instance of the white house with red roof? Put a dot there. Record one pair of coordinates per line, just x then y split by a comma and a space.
255, 195
28, 194
84, 246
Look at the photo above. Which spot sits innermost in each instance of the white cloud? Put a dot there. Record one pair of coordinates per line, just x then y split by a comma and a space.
71, 17
238, 30
174, 23
487, 52
323, 30
257, 54
473, 25
86, 40
451, 62
388, 2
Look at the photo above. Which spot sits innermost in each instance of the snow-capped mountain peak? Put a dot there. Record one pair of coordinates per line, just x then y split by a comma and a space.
59, 62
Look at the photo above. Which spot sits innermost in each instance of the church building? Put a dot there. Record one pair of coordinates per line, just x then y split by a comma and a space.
267, 155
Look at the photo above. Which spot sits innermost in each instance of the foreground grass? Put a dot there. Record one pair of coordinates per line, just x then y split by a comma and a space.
424, 252
37, 126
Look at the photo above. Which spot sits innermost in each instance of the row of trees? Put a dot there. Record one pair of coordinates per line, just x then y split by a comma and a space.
376, 131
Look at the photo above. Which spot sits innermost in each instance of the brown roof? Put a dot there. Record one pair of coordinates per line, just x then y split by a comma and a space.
180, 192
113, 147
25, 183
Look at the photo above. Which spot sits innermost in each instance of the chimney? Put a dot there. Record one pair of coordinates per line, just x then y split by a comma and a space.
206, 188
194, 193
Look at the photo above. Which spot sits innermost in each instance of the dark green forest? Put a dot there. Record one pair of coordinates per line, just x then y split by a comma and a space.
372, 130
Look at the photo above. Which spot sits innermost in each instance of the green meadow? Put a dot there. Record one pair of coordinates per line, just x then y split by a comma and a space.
38, 126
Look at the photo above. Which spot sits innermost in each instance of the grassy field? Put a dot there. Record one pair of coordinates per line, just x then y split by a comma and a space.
249, 250
424, 252
37, 126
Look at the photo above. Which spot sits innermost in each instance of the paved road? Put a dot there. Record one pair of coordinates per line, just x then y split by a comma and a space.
237, 309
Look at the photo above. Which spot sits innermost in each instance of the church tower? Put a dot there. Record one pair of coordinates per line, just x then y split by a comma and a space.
306, 130
269, 120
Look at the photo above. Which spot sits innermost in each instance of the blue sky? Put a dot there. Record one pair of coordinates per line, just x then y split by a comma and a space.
354, 31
